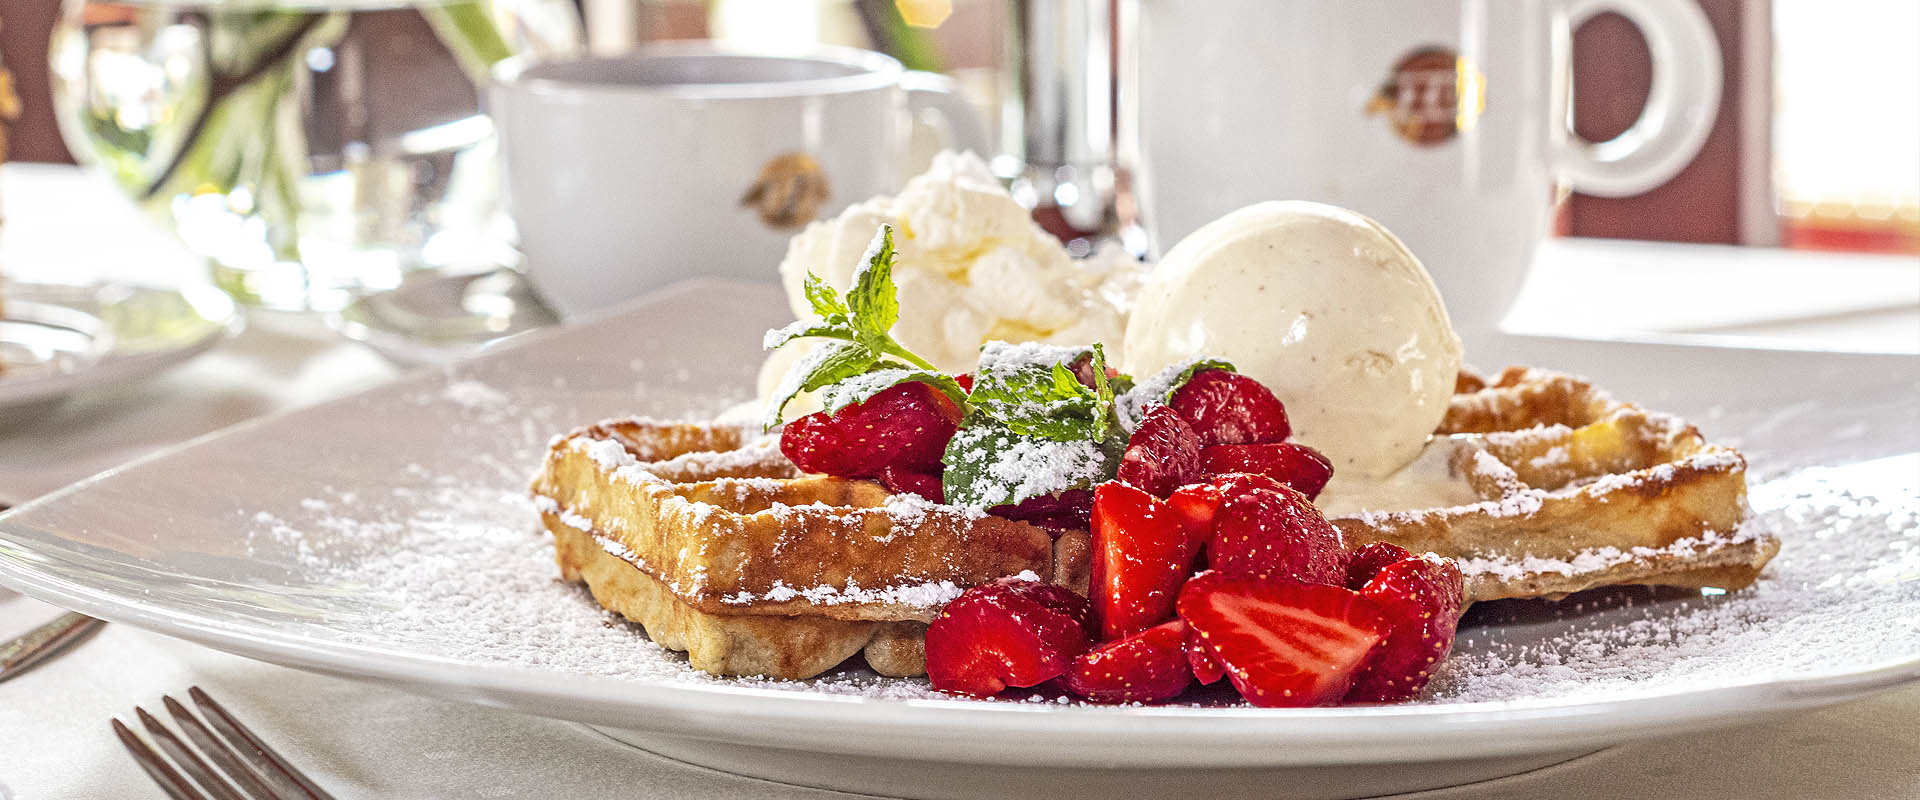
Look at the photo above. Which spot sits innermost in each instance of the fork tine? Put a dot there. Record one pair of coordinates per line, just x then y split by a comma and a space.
219, 751
256, 752
156, 767
185, 758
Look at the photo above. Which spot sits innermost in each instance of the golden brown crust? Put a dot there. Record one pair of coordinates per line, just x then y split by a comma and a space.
1580, 490
735, 533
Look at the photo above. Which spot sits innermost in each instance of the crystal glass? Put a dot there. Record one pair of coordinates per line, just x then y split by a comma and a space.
310, 150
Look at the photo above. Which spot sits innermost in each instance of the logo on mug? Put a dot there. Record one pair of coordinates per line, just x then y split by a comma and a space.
789, 191
1430, 96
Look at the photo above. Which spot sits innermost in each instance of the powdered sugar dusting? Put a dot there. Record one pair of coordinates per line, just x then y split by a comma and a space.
445, 558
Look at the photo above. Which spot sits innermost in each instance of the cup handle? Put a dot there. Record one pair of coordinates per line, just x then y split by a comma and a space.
960, 122
1681, 104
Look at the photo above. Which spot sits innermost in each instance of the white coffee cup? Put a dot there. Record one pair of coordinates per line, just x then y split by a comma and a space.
1445, 120
628, 173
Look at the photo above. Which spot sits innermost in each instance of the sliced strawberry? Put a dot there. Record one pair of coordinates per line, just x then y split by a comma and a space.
905, 426
1282, 643
1197, 503
1295, 465
1141, 554
925, 484
1276, 533
1062, 511
1366, 562
965, 379
1230, 408
1420, 598
1163, 453
1146, 667
1010, 632
1206, 668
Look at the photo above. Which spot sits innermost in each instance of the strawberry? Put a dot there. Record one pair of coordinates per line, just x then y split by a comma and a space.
1062, 511
925, 484
1230, 408
965, 379
1010, 632
1282, 643
1295, 465
1197, 503
905, 426
1276, 533
1146, 667
1206, 668
1141, 554
1421, 599
1366, 562
1162, 454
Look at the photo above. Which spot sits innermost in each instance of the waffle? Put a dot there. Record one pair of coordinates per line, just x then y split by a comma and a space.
710, 539
1571, 489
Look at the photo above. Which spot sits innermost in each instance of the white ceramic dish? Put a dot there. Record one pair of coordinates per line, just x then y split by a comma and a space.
386, 537
59, 339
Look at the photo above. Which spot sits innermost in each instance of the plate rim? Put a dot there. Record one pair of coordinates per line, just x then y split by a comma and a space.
112, 366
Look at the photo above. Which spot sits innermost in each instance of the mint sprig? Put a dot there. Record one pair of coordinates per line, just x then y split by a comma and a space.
863, 349
1032, 427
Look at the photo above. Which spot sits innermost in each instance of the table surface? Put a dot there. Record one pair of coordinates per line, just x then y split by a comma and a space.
366, 741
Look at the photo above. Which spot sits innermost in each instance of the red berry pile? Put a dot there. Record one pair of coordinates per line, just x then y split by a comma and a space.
1210, 560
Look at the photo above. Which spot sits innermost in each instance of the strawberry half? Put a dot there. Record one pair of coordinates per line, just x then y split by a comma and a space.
905, 426
1230, 408
1010, 632
1163, 453
1366, 562
1296, 465
1420, 599
1062, 511
1282, 643
1141, 554
1276, 533
1146, 667
1198, 502
1206, 668
925, 484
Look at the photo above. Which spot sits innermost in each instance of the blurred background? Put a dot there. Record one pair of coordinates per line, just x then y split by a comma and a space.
1814, 146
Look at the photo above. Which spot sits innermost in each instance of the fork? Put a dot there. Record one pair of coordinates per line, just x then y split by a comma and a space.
253, 771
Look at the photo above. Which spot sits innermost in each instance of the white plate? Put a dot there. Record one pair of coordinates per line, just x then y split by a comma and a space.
59, 339
386, 536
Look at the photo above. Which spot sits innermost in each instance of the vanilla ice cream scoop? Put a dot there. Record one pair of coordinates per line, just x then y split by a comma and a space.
970, 265
1323, 306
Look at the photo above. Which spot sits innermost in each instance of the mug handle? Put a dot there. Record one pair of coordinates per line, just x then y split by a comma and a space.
960, 122
1681, 104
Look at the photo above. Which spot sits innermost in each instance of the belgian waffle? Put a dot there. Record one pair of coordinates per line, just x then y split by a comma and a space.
1572, 490
715, 543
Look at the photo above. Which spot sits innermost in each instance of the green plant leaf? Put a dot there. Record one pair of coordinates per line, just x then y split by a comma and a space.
825, 301
1032, 391
827, 364
872, 300
989, 464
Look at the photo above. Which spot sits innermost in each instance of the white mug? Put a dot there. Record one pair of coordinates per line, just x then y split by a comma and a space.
1445, 120
628, 173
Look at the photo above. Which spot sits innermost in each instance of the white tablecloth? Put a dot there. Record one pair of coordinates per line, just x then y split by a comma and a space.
366, 741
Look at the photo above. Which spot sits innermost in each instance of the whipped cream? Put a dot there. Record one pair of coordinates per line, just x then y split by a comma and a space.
970, 266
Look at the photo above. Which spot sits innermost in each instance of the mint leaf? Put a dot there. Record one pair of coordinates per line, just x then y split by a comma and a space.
989, 464
802, 329
826, 365
1031, 390
881, 377
872, 300
1132, 405
825, 301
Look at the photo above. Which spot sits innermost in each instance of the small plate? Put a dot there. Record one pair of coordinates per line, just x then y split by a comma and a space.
395, 543
435, 318
57, 339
